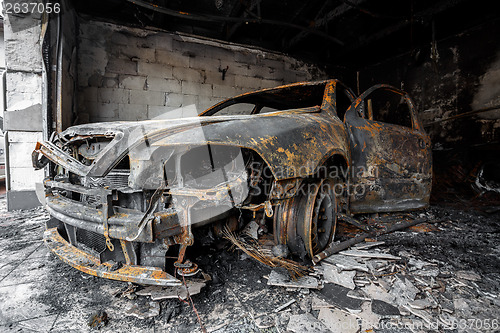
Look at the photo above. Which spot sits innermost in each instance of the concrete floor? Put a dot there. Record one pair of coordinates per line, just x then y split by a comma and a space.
39, 293
456, 266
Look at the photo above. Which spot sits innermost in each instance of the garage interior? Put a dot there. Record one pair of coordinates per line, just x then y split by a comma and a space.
127, 60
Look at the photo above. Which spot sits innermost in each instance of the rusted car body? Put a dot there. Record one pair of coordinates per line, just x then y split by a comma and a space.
127, 196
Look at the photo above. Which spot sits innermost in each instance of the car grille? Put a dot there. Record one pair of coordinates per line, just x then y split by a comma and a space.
116, 179
92, 240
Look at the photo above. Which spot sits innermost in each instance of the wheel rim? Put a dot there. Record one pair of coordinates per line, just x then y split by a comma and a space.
322, 222
307, 222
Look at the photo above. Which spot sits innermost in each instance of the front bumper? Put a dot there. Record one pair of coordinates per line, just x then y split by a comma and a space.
122, 224
90, 264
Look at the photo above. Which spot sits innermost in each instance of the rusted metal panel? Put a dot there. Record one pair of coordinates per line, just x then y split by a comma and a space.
92, 265
391, 163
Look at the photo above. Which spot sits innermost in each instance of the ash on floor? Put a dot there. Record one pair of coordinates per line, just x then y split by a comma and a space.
443, 279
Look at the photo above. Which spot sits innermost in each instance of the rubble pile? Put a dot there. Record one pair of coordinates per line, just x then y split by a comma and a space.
441, 277
367, 289
363, 290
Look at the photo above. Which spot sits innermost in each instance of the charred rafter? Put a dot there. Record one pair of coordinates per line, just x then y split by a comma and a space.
424, 15
246, 13
321, 20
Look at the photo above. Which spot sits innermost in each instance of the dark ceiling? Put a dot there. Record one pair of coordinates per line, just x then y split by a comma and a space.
346, 33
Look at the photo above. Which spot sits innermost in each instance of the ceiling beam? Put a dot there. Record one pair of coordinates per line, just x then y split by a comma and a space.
234, 7
423, 15
321, 21
218, 19
279, 36
236, 26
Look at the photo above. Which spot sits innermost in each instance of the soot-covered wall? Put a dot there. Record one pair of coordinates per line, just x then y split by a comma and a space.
456, 88
135, 74
462, 76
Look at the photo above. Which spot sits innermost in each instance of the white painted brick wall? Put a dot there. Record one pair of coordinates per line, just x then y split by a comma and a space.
113, 95
147, 74
165, 85
132, 111
132, 82
22, 87
174, 100
24, 179
22, 175
154, 70
22, 45
147, 97
23, 57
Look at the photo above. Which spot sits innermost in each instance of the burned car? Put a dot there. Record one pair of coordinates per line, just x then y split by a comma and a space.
127, 199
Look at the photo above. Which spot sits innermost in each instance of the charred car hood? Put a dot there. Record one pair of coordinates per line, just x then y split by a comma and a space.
280, 138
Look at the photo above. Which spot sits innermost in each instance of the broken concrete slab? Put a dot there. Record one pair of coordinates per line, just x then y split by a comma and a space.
344, 278
420, 304
377, 292
158, 293
369, 254
346, 263
149, 310
337, 295
403, 291
282, 279
318, 304
423, 314
468, 275
306, 323
384, 309
338, 321
368, 319
358, 294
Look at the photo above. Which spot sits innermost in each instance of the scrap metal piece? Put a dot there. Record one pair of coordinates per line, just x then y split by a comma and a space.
284, 306
335, 248
368, 254
92, 265
351, 220
153, 203
58, 156
277, 278
158, 293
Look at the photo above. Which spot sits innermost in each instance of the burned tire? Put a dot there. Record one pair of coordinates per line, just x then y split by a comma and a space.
307, 222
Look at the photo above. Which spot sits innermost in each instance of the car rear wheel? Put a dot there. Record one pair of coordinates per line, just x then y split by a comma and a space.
307, 222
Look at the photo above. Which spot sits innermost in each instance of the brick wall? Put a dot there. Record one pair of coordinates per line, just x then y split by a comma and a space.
135, 74
22, 118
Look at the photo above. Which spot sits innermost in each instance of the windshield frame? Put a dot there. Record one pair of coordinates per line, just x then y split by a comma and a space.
256, 98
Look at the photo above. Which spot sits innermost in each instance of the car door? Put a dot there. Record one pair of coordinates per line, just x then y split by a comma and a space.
390, 153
